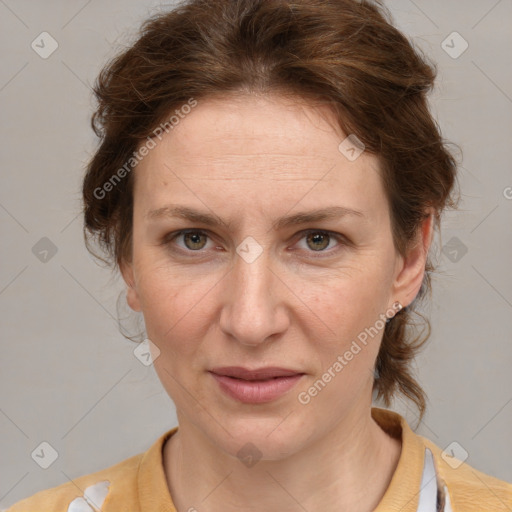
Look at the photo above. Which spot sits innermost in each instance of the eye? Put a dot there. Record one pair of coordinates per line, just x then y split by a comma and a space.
319, 240
194, 240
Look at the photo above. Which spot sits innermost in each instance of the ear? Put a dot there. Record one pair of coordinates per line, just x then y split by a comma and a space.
132, 296
410, 275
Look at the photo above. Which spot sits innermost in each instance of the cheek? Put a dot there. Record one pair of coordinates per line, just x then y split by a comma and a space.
347, 303
171, 307
347, 352
345, 329
161, 290
172, 302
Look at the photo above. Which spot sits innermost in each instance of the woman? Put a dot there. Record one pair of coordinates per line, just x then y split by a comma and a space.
268, 183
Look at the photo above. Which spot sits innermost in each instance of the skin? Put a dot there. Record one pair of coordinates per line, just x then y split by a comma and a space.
250, 160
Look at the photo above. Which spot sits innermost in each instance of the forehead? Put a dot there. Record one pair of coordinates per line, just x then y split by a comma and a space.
255, 128
248, 145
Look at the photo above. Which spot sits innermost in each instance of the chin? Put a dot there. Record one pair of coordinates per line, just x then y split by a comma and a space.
265, 438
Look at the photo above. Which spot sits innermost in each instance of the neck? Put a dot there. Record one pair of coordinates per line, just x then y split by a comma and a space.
332, 474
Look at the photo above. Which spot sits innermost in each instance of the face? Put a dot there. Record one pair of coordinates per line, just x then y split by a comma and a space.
264, 287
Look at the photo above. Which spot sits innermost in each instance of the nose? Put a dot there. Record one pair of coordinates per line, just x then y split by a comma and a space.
254, 305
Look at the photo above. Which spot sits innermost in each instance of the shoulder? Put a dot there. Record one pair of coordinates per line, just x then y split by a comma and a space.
88, 492
469, 489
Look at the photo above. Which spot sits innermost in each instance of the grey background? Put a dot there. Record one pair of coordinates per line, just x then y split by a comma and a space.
68, 377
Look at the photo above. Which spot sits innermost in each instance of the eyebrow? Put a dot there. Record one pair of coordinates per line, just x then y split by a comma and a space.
184, 212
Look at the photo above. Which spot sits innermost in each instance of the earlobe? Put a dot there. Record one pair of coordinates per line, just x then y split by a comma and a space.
132, 297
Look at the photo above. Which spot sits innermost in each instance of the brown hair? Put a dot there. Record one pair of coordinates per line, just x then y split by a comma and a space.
341, 53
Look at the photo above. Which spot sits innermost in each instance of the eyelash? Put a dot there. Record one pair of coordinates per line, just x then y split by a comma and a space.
168, 239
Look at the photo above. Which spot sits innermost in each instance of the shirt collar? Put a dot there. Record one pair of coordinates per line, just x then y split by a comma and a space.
415, 484
402, 494
153, 490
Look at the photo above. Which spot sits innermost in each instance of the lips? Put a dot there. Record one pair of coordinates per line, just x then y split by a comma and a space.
270, 372
255, 386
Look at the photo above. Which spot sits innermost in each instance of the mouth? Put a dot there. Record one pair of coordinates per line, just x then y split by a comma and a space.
260, 374
255, 386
